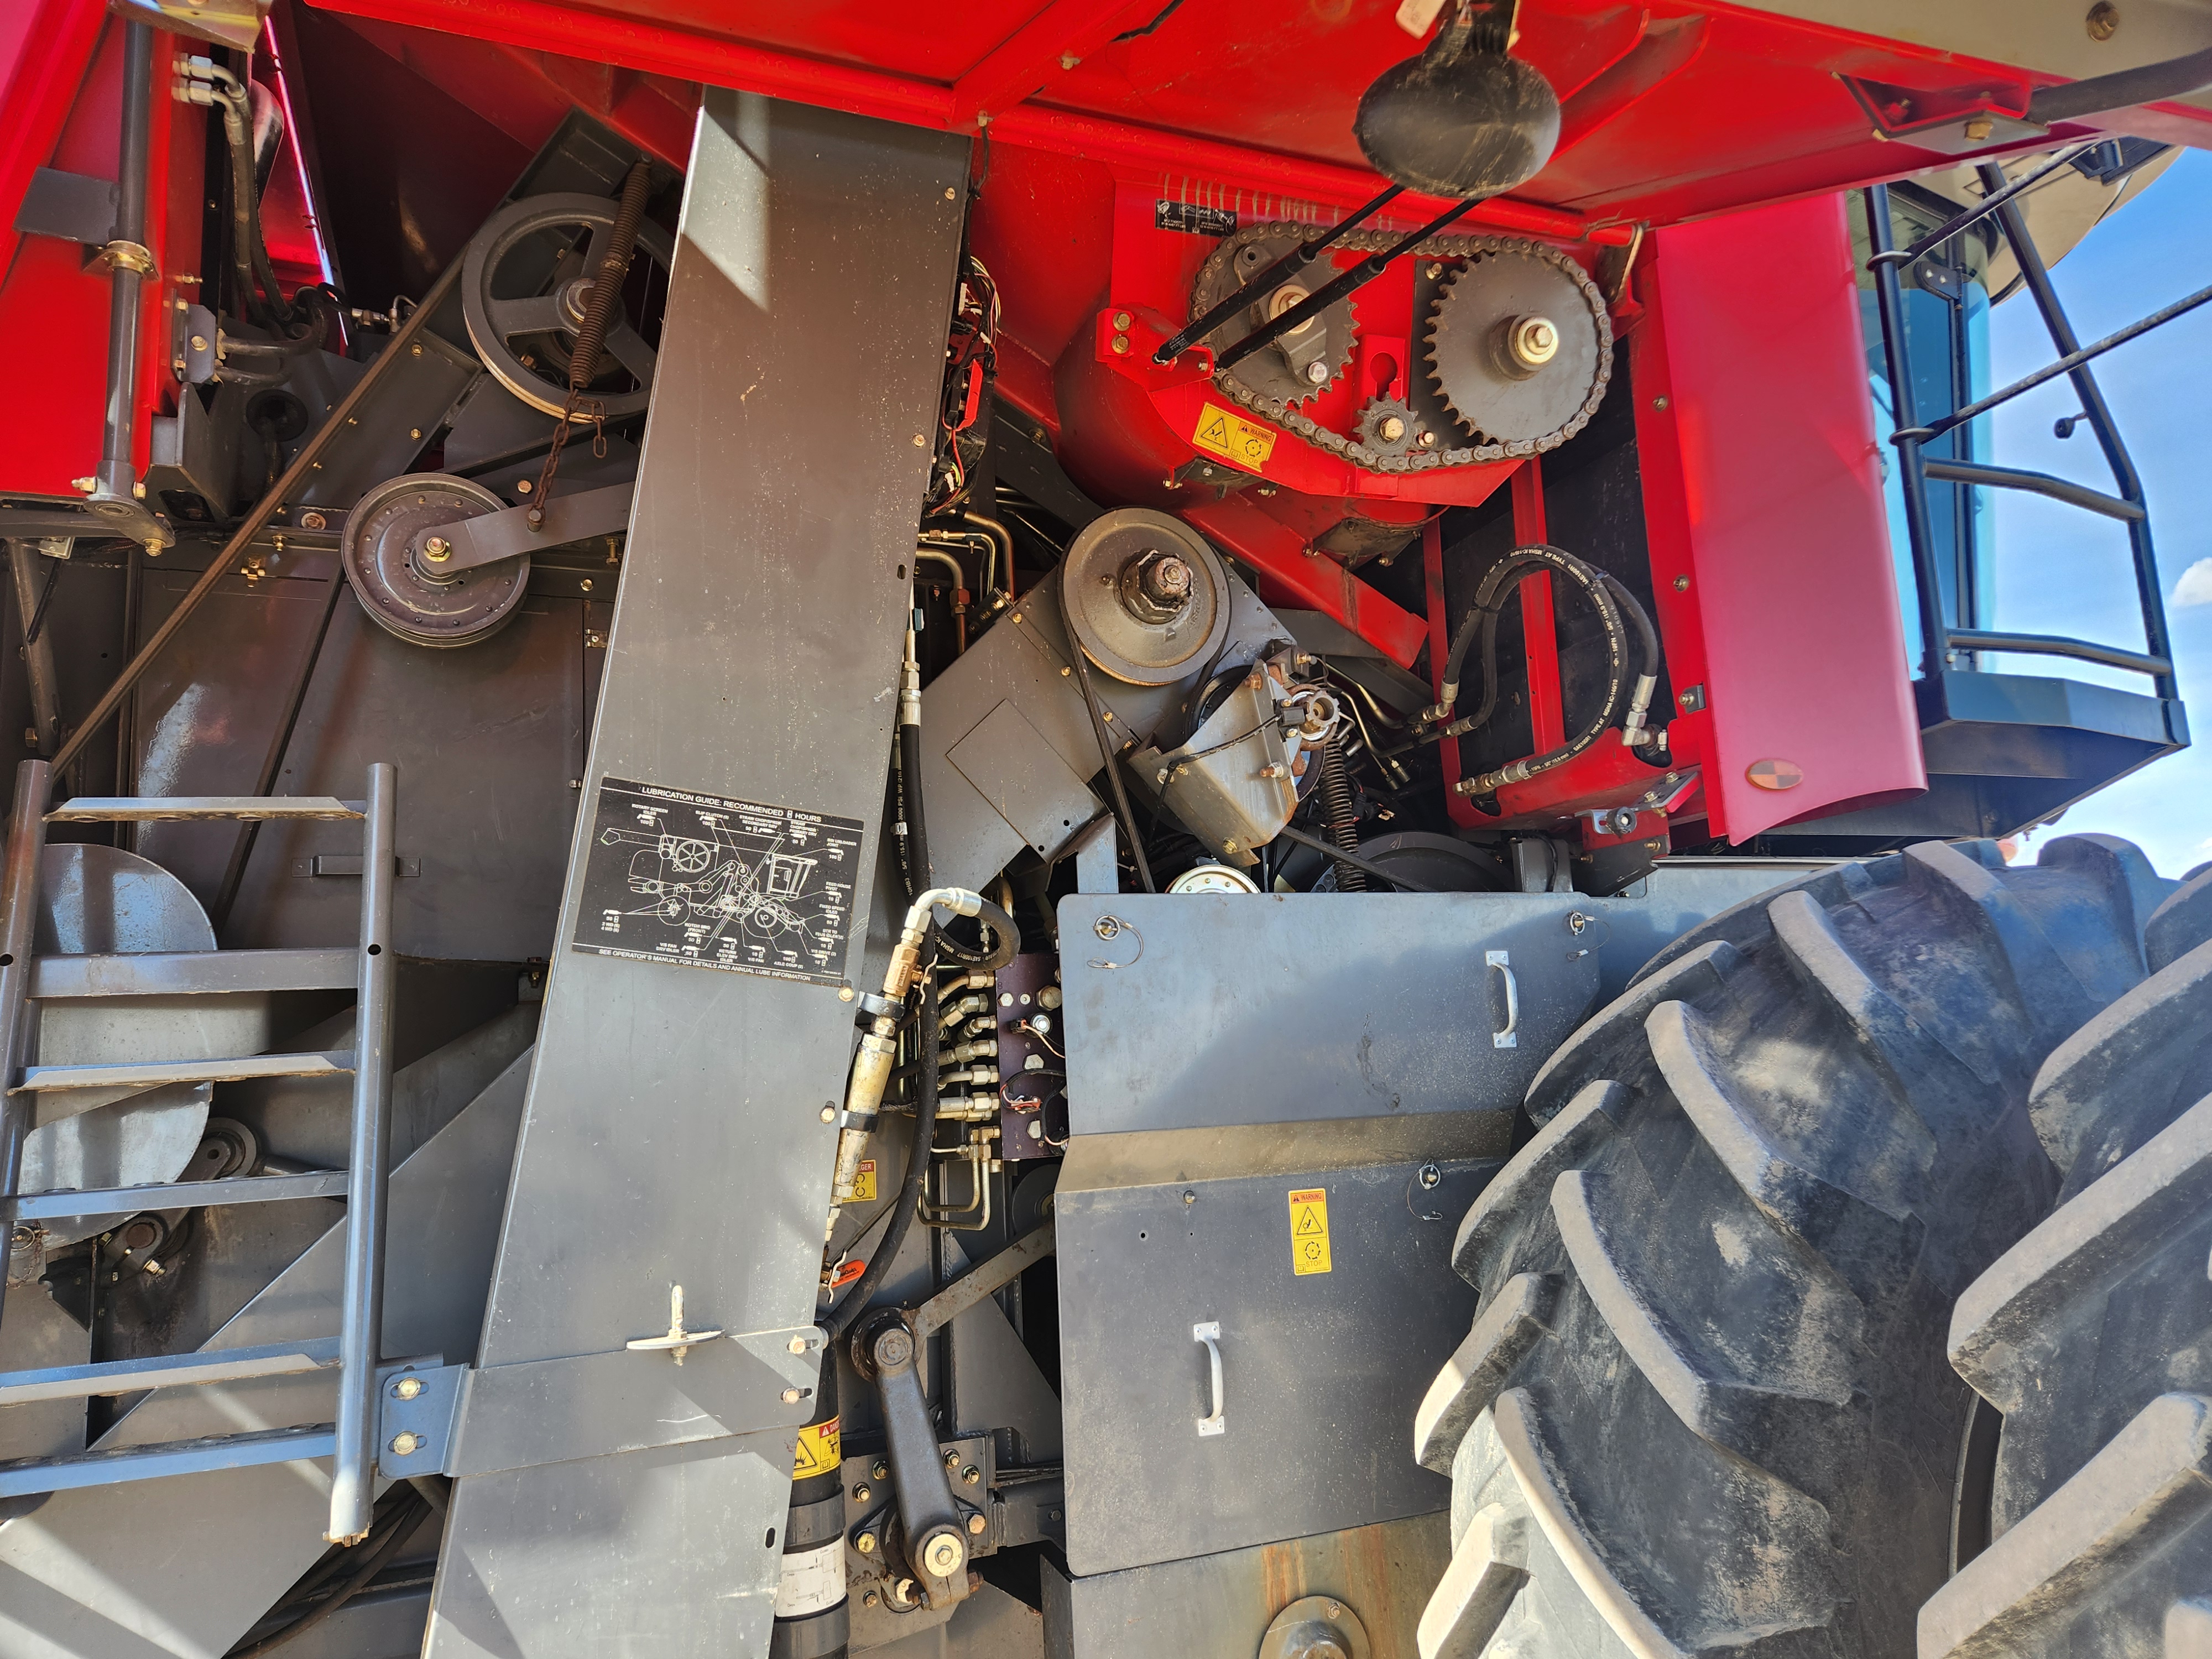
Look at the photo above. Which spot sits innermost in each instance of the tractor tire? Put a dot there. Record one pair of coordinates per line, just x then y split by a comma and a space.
2090, 1529
1703, 1405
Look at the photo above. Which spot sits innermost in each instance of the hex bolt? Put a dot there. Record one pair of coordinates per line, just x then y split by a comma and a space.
943, 1555
977, 1524
1317, 371
1430, 1177
797, 1344
970, 1475
880, 1469
1122, 322
865, 1543
1681, 584
894, 1347
1392, 428
793, 1396
405, 1444
1120, 345
437, 549
863, 1492
872, 1599
407, 1388
951, 1462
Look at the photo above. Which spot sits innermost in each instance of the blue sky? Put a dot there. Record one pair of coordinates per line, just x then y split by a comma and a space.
2062, 571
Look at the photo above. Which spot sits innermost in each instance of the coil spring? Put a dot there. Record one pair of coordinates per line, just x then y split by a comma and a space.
1343, 814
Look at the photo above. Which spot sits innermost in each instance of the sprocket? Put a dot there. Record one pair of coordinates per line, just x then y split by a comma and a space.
1271, 373
1388, 426
1519, 348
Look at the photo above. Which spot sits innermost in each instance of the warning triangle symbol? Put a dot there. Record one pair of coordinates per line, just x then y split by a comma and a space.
808, 1460
1308, 1220
1216, 432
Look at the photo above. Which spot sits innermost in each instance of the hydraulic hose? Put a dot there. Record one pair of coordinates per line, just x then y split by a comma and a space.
1633, 730
917, 1174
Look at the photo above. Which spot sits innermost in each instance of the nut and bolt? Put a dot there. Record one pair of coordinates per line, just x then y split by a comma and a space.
863, 1492
1317, 372
797, 1344
943, 1555
872, 1599
793, 1396
865, 1543
1533, 342
977, 1524
1392, 428
1274, 770
951, 1462
405, 1444
2103, 21
1120, 345
1681, 584
970, 1475
880, 1469
1428, 440
407, 1388
1123, 322
1166, 581
437, 549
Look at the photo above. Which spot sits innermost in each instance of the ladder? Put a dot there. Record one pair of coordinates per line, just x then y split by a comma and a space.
368, 967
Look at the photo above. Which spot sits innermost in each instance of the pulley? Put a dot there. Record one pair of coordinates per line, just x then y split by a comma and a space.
393, 555
1147, 598
525, 278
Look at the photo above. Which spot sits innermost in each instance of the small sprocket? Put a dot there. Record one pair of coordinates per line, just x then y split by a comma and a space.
1388, 426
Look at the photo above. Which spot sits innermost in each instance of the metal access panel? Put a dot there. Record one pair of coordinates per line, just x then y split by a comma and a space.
1213, 1010
1224, 1604
1329, 1296
673, 1133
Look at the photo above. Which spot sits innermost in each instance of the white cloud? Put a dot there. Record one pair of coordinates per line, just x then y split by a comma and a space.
2195, 586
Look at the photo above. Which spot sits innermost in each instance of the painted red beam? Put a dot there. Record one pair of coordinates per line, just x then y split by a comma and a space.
1014, 69
1279, 554
40, 75
690, 55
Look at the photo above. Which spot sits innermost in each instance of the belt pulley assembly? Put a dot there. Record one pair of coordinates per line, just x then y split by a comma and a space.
404, 572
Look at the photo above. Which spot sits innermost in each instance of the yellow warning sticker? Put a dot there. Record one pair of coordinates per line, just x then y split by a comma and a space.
818, 1452
1240, 440
864, 1183
1309, 1232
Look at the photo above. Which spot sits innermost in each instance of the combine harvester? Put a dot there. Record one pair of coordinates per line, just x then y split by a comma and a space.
1114, 828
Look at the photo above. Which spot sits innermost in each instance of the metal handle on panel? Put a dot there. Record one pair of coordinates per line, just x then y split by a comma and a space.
1210, 1333
1502, 961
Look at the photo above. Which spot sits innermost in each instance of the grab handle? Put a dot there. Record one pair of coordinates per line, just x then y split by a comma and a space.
1502, 961
1210, 1333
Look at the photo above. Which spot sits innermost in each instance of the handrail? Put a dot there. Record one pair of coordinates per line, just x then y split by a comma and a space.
2034, 483
2059, 645
1973, 215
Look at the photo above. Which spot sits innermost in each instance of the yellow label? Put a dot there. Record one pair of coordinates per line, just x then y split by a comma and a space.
864, 1183
1232, 435
818, 1452
1309, 1232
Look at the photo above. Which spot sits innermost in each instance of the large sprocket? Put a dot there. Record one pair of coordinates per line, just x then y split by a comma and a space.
1519, 346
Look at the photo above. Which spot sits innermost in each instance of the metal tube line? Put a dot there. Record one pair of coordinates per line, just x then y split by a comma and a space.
258, 519
118, 475
1934, 644
360, 1335
19, 892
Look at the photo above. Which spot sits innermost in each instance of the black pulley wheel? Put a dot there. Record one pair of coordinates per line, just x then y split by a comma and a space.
395, 562
1705, 1406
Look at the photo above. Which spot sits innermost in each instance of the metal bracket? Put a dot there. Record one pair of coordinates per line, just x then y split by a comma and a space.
1210, 1333
420, 1410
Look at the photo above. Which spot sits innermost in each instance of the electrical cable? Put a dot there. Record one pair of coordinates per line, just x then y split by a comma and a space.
1121, 812
407, 1515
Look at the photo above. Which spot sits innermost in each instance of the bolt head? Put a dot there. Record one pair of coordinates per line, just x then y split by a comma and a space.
407, 1387
951, 1462
943, 1555
1392, 428
793, 1396
797, 1344
863, 1492
1428, 440
976, 1523
865, 1543
437, 549
1123, 321
970, 1475
828, 1114
1681, 584
895, 1346
1317, 372
405, 1444
872, 1599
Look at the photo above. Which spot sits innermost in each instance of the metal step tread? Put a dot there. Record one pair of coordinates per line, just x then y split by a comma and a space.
22, 1476
177, 973
175, 1196
133, 809
149, 1074
167, 1371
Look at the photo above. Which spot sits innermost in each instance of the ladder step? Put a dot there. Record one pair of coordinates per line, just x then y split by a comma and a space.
151, 1074
168, 1370
127, 809
176, 1195
22, 1476
165, 973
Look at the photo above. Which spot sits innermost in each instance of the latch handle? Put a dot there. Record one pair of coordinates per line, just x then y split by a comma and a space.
1210, 1333
1502, 961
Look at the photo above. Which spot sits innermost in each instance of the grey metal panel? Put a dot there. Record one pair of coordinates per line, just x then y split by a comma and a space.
186, 1566
1214, 1009
1222, 1604
1678, 896
1026, 783
397, 419
1322, 1371
673, 1133
488, 739
35, 1334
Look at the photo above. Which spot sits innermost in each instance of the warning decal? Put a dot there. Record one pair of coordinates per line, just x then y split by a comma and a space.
1309, 1232
864, 1182
1232, 435
818, 1452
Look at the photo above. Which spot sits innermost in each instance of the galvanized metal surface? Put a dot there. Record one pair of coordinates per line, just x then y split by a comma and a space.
1223, 1604
673, 1134
128, 1572
1322, 1365
1211, 1010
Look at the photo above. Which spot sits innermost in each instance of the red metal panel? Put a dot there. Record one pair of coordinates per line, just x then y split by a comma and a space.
1290, 574
1763, 499
45, 47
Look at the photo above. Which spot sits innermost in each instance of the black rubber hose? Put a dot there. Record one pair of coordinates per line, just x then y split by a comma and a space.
917, 1170
1490, 599
917, 832
1647, 636
409, 1514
